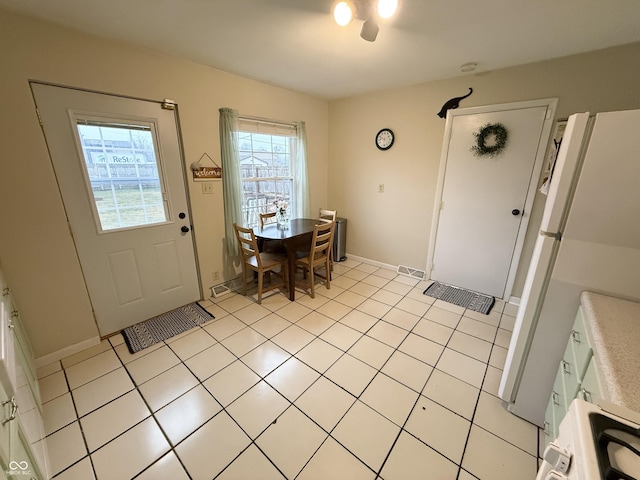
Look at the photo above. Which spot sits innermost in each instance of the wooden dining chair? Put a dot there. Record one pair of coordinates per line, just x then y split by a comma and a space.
267, 218
259, 262
327, 215
271, 246
318, 257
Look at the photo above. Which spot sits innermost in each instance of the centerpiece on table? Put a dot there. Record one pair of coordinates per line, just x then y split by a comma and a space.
282, 213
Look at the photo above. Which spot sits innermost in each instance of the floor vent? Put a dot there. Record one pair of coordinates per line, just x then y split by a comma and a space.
412, 272
226, 287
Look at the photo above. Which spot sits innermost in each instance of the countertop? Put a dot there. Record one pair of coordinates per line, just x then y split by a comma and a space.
614, 329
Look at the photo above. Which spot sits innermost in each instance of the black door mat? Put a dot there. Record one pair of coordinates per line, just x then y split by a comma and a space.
461, 297
157, 329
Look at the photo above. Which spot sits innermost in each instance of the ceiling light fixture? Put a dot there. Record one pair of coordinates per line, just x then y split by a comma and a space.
468, 67
368, 10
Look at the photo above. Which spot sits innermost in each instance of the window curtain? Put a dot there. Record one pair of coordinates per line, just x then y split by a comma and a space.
231, 178
300, 176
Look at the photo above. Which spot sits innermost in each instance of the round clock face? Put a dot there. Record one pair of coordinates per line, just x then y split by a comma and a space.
384, 139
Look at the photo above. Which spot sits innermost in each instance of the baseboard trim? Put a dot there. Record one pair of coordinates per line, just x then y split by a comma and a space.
372, 262
67, 351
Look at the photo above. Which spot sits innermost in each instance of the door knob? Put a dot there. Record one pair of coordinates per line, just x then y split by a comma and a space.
184, 229
515, 212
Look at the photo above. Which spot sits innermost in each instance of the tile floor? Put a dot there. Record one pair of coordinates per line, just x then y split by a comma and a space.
369, 380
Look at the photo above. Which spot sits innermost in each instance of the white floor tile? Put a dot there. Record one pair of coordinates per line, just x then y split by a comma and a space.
319, 355
187, 413
231, 382
153, 364
493, 417
388, 333
102, 390
280, 372
167, 386
452, 393
488, 456
81, 470
358, 320
439, 428
135, 450
291, 452
470, 345
401, 319
92, 368
109, 421
211, 448
195, 342
424, 350
271, 325
325, 403
257, 408
407, 370
66, 447
334, 461
292, 378
225, 327
293, 339
367, 434
167, 468
433, 331
351, 374
251, 464
463, 367
389, 398
209, 361
341, 336
315, 323
266, 358
58, 413
411, 459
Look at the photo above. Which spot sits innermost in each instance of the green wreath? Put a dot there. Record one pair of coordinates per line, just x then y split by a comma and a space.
491, 131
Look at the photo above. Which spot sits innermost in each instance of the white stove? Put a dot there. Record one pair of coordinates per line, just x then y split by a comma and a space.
596, 442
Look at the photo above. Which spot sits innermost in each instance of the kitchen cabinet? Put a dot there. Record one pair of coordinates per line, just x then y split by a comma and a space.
577, 377
23, 452
601, 359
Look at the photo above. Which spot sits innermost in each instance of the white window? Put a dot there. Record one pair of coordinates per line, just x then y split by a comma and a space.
266, 153
123, 172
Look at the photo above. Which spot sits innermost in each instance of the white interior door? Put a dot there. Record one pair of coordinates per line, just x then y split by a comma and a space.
119, 168
485, 201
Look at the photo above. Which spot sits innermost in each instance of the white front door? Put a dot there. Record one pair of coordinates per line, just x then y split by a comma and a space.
120, 172
486, 201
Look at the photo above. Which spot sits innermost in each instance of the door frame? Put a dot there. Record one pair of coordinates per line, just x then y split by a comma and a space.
551, 104
165, 104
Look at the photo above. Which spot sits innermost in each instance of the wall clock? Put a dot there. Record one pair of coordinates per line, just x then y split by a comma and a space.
384, 139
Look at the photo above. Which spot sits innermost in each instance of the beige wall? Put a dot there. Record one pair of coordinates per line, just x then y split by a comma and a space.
345, 168
393, 227
36, 248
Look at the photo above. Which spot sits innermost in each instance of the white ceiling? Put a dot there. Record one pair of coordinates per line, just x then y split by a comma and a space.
295, 43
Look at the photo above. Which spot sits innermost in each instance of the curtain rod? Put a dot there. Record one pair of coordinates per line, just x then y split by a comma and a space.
268, 121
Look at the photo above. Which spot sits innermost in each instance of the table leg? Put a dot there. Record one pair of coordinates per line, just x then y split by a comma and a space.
291, 254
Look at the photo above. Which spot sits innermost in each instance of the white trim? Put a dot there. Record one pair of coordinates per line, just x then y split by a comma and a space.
369, 261
551, 104
67, 351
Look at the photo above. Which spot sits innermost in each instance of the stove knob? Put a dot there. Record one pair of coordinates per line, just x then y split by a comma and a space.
558, 457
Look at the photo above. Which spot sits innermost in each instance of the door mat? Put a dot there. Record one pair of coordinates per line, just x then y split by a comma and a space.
459, 296
157, 329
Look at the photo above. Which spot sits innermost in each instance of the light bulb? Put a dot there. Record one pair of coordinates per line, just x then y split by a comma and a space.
386, 8
342, 13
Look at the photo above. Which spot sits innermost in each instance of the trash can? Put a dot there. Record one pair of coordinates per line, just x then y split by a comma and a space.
340, 240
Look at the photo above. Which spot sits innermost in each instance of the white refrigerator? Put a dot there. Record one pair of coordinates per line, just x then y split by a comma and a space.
589, 240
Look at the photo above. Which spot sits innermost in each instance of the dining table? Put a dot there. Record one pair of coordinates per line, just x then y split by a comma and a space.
295, 235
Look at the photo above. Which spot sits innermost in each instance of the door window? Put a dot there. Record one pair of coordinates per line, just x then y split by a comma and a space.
123, 172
